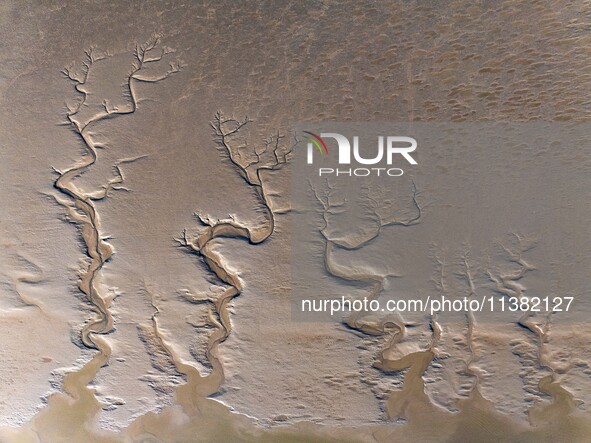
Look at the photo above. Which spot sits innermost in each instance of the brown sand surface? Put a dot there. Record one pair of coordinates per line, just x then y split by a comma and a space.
147, 223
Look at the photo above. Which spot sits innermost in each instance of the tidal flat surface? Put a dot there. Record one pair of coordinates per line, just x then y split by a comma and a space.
147, 224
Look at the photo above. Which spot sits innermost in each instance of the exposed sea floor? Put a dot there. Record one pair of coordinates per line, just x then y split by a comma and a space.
150, 223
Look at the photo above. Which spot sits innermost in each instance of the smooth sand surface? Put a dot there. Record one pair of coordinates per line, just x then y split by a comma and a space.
147, 223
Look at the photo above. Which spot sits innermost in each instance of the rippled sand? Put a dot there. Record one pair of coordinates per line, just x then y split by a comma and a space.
146, 236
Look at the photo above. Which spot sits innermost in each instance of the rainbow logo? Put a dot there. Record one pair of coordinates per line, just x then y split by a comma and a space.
317, 141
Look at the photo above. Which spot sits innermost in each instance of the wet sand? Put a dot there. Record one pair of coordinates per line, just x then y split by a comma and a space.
147, 224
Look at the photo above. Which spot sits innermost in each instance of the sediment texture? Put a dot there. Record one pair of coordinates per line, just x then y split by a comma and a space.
146, 236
